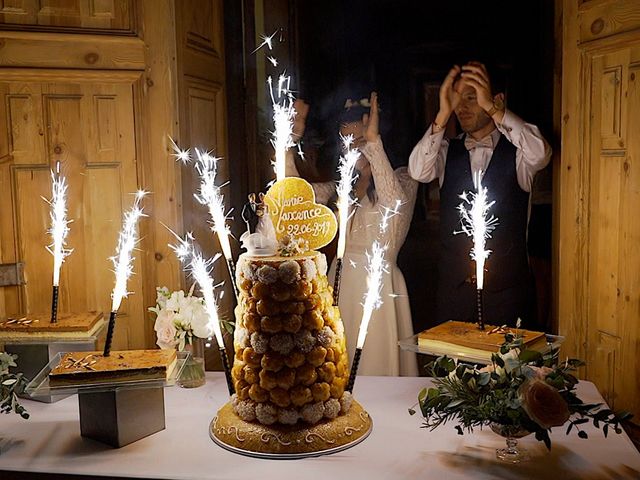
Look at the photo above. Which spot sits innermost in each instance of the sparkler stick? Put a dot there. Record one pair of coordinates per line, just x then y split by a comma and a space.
58, 231
211, 196
477, 223
372, 301
345, 185
123, 263
200, 271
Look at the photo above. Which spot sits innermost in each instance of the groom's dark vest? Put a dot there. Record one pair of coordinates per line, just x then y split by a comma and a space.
507, 265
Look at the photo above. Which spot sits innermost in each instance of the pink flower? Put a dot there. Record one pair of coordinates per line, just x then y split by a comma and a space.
543, 403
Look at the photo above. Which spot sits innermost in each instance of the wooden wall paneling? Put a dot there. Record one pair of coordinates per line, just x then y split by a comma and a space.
570, 194
111, 15
606, 18
156, 102
66, 50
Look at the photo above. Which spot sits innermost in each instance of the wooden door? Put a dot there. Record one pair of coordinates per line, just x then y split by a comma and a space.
598, 194
91, 83
89, 128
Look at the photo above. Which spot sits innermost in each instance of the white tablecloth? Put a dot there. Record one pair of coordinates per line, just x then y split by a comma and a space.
397, 448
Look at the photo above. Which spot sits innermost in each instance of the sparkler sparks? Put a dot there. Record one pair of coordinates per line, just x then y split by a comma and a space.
346, 170
283, 115
478, 224
372, 300
210, 195
387, 214
181, 155
200, 269
267, 40
59, 223
123, 260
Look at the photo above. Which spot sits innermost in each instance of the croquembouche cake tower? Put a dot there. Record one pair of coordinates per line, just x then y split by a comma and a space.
291, 366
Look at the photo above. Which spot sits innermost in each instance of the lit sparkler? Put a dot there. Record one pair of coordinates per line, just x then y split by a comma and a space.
478, 224
346, 170
58, 231
200, 270
211, 196
372, 301
283, 115
123, 262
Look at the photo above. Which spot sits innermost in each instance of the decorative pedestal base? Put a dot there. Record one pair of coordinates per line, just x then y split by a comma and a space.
289, 442
121, 416
33, 357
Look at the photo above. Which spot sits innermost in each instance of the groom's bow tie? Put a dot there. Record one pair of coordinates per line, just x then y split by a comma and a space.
470, 143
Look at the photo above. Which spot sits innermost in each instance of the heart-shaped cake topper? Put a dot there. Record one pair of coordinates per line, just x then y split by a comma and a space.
294, 212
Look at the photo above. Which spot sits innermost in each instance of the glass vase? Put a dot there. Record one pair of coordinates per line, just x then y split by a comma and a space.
193, 372
513, 453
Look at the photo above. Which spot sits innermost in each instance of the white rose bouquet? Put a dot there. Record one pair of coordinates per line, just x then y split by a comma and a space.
179, 318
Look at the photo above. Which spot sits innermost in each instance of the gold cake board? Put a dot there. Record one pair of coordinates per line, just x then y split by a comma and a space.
290, 442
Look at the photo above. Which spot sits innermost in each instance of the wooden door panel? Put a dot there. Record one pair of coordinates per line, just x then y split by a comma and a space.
94, 14
89, 129
614, 230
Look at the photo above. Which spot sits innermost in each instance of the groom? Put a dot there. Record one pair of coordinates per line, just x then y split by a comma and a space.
508, 152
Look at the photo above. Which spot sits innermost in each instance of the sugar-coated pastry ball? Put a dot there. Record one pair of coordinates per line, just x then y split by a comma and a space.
332, 408
267, 274
325, 337
259, 342
288, 416
289, 271
237, 371
321, 264
309, 269
246, 284
282, 343
313, 412
313, 302
266, 413
304, 341
246, 410
345, 402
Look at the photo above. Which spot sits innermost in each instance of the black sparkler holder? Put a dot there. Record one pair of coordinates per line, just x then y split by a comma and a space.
110, 329
54, 304
354, 369
480, 308
227, 369
336, 282
231, 266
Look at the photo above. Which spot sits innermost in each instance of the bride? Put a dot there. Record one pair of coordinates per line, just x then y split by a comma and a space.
378, 185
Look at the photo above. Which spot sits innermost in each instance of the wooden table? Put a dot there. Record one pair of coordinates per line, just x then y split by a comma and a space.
50, 442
